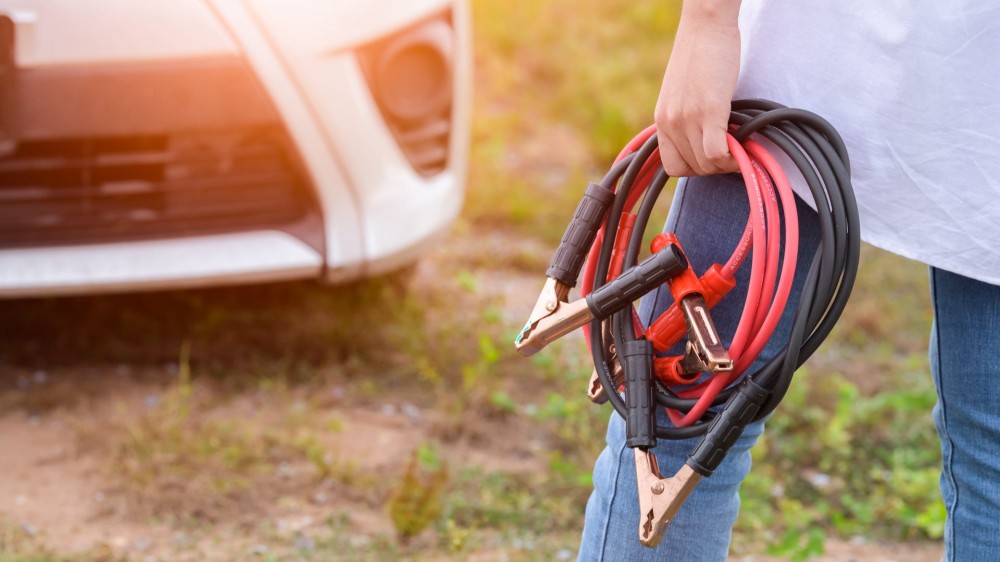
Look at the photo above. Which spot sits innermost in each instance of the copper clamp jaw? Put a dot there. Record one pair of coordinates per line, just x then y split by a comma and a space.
659, 497
704, 350
551, 318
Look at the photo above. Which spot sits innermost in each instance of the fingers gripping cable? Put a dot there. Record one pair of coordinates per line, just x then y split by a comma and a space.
707, 391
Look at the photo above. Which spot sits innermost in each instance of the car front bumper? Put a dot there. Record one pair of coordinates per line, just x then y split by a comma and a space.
342, 200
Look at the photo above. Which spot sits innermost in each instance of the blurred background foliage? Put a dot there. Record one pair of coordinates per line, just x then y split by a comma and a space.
560, 88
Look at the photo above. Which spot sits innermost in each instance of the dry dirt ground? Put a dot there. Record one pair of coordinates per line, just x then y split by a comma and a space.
56, 488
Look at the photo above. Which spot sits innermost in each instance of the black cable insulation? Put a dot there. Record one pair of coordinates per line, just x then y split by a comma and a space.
819, 154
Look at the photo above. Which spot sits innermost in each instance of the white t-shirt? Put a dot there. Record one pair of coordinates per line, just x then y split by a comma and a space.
914, 89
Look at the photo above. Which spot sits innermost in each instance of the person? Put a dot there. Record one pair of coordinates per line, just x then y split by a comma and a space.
914, 89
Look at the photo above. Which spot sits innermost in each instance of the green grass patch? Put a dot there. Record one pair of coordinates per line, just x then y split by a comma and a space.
834, 460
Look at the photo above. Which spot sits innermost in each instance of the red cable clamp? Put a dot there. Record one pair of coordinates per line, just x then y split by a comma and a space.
693, 297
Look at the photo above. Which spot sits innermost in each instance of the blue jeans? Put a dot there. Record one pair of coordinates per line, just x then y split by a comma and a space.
965, 341
708, 215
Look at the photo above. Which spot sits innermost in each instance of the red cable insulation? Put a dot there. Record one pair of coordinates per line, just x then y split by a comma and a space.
789, 259
706, 392
767, 295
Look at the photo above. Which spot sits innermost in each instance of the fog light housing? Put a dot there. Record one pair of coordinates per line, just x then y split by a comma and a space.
410, 75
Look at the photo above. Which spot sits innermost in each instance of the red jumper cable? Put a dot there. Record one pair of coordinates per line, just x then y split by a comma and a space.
708, 390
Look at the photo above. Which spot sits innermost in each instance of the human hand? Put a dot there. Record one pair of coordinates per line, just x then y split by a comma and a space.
692, 112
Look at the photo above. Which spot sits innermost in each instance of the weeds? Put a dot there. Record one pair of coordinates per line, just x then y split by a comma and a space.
856, 465
285, 327
415, 503
176, 465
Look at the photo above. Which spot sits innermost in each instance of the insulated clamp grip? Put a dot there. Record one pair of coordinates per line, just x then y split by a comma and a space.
640, 423
636, 281
569, 257
726, 428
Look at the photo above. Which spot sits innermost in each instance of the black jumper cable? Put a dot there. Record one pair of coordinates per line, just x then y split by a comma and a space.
720, 397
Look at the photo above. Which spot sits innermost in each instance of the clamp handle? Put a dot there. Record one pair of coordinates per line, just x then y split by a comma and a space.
553, 318
580, 233
726, 428
640, 423
637, 281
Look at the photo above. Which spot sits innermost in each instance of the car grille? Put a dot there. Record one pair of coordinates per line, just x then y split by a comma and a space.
105, 189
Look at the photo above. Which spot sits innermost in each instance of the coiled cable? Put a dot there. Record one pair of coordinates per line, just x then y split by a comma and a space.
819, 154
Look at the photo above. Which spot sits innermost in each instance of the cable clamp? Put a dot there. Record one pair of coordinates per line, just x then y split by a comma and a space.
553, 317
595, 390
703, 351
659, 498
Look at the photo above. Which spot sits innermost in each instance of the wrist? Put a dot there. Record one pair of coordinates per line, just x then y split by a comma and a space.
714, 12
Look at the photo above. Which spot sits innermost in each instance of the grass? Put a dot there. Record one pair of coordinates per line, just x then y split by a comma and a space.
23, 544
805, 485
852, 450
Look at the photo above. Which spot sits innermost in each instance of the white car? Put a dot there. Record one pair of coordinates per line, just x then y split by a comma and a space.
185, 143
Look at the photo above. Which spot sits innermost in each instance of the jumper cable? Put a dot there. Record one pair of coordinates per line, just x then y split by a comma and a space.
707, 391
